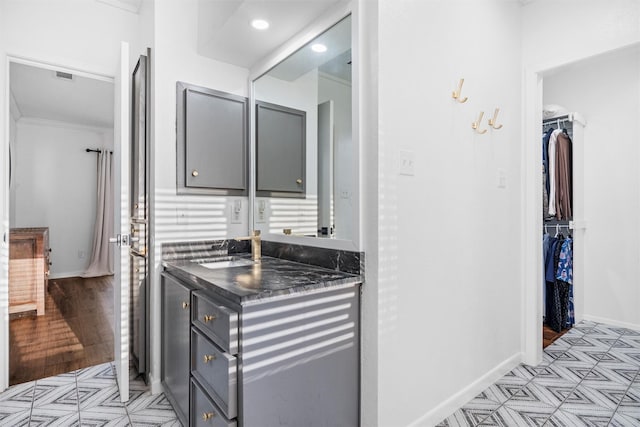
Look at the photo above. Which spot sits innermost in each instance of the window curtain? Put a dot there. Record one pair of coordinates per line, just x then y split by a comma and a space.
101, 263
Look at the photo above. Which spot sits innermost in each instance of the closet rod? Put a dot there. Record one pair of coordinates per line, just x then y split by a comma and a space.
93, 150
550, 120
558, 121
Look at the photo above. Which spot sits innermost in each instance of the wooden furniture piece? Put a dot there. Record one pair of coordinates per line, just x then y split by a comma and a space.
28, 269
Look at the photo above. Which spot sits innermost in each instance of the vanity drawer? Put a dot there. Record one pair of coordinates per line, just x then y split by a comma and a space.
204, 411
217, 321
216, 372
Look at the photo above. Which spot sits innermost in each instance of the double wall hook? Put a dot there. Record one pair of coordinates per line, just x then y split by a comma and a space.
457, 93
492, 122
476, 125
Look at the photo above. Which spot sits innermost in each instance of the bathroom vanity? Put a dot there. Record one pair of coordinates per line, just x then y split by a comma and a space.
266, 343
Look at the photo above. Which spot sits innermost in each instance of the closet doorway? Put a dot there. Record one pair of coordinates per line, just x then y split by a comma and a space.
605, 89
60, 131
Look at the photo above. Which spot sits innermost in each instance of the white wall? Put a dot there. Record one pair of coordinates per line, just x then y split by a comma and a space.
447, 288
55, 187
606, 91
343, 171
175, 58
75, 33
556, 32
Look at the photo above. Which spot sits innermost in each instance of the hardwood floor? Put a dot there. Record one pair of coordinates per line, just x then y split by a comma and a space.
75, 332
549, 335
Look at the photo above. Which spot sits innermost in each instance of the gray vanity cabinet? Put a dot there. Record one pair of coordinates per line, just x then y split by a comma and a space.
286, 360
280, 151
176, 325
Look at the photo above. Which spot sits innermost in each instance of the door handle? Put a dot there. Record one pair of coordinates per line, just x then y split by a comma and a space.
120, 239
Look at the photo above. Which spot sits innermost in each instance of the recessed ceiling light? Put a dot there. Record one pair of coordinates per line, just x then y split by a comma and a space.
260, 24
318, 47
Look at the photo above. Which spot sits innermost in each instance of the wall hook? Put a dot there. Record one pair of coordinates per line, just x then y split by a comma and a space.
475, 125
456, 93
492, 122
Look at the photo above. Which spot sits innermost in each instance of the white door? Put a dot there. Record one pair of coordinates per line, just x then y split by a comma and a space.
122, 134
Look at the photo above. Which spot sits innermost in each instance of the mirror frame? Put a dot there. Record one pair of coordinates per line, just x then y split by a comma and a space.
312, 31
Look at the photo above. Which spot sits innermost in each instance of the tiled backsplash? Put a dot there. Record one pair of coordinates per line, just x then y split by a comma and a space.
176, 251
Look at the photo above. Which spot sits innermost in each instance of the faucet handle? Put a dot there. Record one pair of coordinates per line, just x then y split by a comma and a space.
256, 233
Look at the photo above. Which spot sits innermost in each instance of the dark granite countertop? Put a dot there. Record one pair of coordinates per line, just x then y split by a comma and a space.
271, 277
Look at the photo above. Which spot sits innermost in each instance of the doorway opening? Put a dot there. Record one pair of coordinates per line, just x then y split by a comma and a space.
61, 317
604, 89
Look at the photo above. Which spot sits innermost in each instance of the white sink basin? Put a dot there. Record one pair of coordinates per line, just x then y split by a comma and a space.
226, 262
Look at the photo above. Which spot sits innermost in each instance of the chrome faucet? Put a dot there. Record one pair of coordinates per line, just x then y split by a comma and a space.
256, 248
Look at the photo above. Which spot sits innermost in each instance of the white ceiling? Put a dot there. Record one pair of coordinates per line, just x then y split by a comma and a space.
39, 94
225, 33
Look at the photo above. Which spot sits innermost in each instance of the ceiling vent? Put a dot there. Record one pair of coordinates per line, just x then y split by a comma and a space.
64, 76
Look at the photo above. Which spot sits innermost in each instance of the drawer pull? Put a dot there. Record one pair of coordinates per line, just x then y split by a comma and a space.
185, 305
208, 415
209, 318
209, 357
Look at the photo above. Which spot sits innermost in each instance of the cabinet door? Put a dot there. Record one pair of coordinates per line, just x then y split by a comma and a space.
175, 344
212, 141
299, 360
280, 145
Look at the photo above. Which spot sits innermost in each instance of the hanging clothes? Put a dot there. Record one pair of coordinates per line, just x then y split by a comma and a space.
563, 176
564, 271
545, 156
558, 283
552, 171
557, 193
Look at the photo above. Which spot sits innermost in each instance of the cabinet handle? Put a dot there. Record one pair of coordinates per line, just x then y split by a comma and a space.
298, 181
209, 318
194, 173
209, 357
208, 415
185, 305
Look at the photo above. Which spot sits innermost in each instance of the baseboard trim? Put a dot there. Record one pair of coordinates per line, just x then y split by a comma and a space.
612, 322
66, 275
450, 405
155, 384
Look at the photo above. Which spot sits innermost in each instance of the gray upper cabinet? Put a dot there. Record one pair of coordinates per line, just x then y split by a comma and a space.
280, 151
212, 132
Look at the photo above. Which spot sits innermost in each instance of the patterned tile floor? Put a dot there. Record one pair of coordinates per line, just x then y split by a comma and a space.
86, 397
588, 377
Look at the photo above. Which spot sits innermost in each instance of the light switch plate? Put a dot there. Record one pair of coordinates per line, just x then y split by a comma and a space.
261, 212
407, 163
502, 178
181, 216
236, 212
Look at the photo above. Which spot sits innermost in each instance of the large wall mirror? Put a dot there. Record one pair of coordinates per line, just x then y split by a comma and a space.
306, 170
